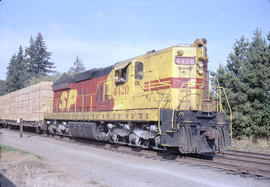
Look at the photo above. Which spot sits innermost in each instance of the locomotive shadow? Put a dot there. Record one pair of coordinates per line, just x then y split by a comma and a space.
175, 156
138, 151
167, 156
95, 143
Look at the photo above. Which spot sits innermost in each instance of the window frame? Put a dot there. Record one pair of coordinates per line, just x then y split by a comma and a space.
136, 76
119, 73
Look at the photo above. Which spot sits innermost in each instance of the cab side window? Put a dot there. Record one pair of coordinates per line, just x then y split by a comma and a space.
138, 70
121, 75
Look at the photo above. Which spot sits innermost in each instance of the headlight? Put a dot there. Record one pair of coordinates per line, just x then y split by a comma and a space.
200, 63
200, 71
180, 53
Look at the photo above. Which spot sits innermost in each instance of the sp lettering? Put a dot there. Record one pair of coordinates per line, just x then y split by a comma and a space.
68, 99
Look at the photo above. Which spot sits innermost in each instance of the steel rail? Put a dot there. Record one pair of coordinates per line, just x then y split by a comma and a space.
249, 157
249, 154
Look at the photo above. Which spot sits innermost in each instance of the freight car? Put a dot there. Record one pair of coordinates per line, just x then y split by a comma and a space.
27, 106
158, 100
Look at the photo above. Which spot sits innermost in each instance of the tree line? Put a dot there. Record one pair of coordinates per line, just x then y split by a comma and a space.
32, 65
246, 79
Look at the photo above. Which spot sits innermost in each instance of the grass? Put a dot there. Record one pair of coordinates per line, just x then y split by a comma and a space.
6, 148
250, 144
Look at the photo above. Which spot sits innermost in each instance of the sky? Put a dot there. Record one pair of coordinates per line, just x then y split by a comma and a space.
103, 32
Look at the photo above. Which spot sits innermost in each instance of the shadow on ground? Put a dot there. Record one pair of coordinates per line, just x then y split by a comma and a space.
5, 182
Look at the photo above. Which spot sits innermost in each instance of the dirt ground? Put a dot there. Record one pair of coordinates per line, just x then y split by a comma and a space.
51, 162
20, 168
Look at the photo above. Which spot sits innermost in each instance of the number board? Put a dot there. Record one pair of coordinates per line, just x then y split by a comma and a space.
184, 60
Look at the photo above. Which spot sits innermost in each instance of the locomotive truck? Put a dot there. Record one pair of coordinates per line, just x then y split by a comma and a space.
159, 100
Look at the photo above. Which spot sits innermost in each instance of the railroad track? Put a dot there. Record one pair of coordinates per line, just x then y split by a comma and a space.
257, 164
247, 164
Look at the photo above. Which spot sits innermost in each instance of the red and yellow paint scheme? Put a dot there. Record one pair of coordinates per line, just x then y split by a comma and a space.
85, 96
173, 78
168, 88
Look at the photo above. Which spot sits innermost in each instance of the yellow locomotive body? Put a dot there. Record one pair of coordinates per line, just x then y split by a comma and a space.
162, 83
159, 100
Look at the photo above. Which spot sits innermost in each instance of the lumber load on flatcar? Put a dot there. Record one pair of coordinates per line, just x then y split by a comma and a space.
27, 105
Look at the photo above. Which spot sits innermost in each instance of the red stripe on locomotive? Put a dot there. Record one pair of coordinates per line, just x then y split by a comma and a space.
172, 82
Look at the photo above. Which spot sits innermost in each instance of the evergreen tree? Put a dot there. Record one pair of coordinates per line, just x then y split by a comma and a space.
52, 78
16, 72
77, 67
256, 74
246, 78
38, 63
22, 69
230, 78
2, 87
11, 72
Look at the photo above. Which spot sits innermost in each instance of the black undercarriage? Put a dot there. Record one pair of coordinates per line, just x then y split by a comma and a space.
183, 131
195, 131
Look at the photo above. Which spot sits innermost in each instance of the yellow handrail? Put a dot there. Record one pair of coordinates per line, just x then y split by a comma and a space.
159, 130
229, 106
220, 103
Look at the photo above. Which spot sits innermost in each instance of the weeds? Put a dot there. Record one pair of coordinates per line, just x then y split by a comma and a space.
250, 144
6, 148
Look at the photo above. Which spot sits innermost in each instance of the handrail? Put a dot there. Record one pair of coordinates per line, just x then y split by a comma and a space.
160, 104
220, 103
182, 87
229, 106
159, 130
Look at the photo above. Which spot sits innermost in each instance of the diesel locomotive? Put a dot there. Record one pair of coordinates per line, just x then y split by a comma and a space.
158, 100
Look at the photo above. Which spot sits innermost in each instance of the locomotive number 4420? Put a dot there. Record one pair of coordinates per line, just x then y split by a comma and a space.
121, 90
